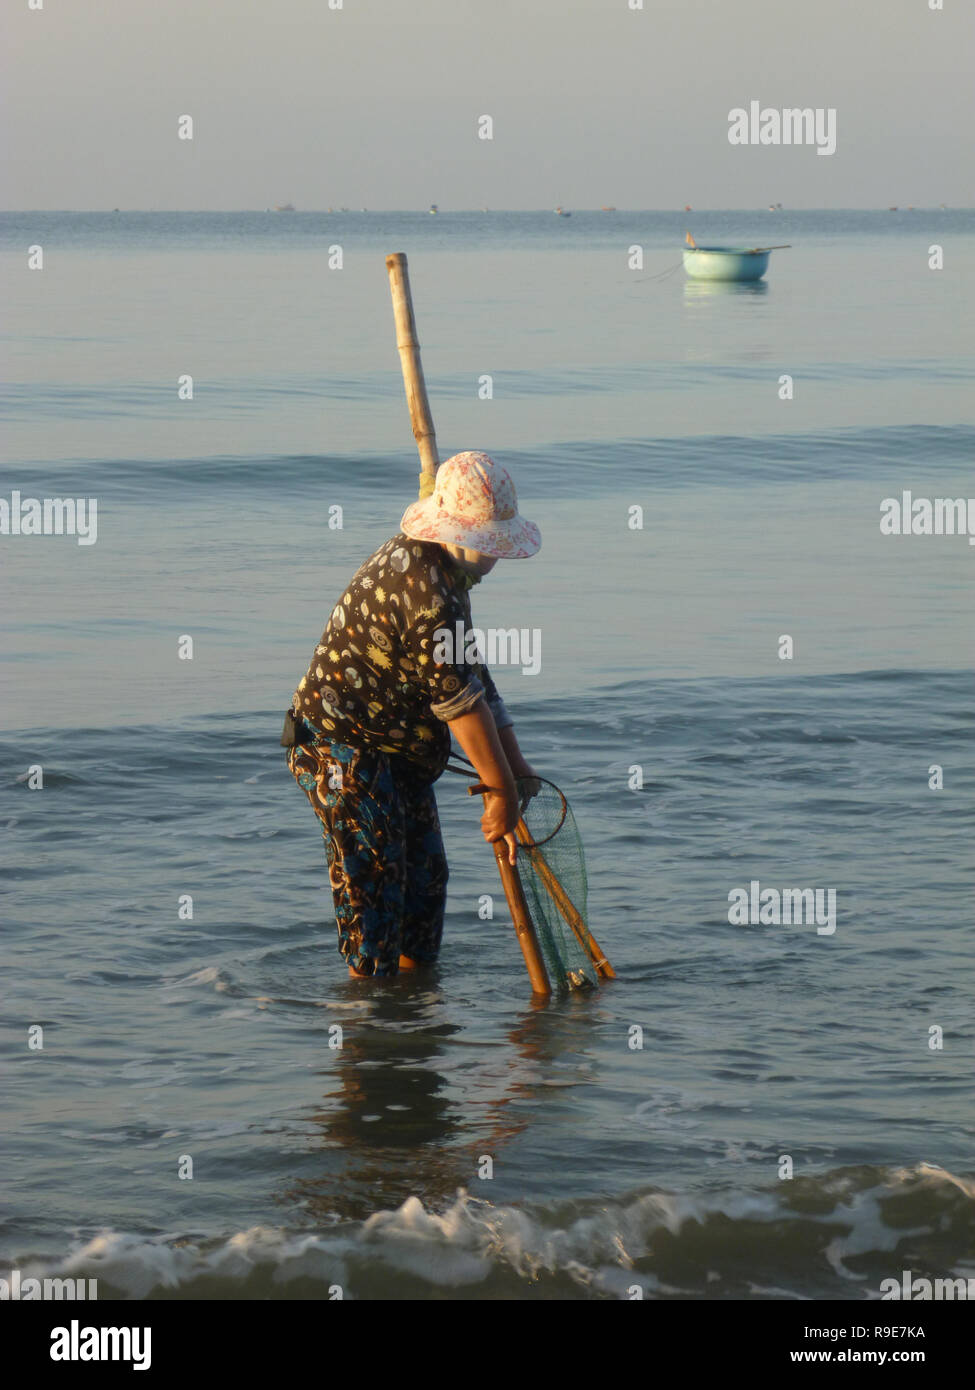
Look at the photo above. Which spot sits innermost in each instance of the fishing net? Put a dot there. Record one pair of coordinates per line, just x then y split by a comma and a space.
552, 867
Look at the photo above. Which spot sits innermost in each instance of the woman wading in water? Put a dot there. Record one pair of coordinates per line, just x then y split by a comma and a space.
370, 724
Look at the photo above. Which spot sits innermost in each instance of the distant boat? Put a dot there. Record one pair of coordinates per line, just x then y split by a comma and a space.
285, 207
562, 213
688, 208
726, 262
434, 208
607, 209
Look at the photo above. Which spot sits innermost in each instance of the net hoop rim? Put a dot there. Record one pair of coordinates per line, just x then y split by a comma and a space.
532, 843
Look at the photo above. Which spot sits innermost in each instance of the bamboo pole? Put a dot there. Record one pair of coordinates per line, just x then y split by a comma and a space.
421, 420
409, 356
426, 441
520, 915
524, 926
565, 905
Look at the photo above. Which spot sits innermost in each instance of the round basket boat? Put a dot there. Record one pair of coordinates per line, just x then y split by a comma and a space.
725, 263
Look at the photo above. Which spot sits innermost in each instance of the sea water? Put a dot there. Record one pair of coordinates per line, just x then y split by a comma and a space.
742, 680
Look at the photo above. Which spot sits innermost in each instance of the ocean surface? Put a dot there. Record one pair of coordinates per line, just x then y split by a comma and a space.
696, 760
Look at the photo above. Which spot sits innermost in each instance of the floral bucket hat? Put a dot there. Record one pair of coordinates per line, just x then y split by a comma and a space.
474, 505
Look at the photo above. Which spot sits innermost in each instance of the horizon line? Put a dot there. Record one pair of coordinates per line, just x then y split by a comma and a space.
333, 211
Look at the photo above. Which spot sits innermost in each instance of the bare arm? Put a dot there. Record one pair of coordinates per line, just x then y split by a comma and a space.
514, 755
478, 736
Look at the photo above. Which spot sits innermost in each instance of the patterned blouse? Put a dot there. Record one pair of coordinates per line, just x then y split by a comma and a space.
374, 678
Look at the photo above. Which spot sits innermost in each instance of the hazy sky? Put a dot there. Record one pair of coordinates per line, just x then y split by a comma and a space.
376, 104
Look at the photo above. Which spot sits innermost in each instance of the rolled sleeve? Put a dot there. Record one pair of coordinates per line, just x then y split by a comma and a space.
462, 703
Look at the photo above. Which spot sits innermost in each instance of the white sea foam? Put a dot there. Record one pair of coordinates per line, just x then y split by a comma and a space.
602, 1247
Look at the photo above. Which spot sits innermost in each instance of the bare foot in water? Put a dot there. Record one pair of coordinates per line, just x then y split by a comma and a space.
405, 963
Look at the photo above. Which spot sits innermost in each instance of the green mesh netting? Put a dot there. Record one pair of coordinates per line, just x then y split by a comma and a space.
554, 872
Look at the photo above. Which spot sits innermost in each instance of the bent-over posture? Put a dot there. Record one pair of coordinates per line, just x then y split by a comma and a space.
373, 715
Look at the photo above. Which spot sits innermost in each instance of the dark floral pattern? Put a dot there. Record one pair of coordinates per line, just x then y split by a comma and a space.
386, 863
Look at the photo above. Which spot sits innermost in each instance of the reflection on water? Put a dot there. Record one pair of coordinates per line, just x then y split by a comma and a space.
415, 1105
696, 290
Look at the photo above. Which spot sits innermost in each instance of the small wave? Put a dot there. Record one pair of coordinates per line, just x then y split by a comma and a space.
210, 976
835, 1235
695, 461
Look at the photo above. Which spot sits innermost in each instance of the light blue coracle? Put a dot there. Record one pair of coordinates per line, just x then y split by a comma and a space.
725, 263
